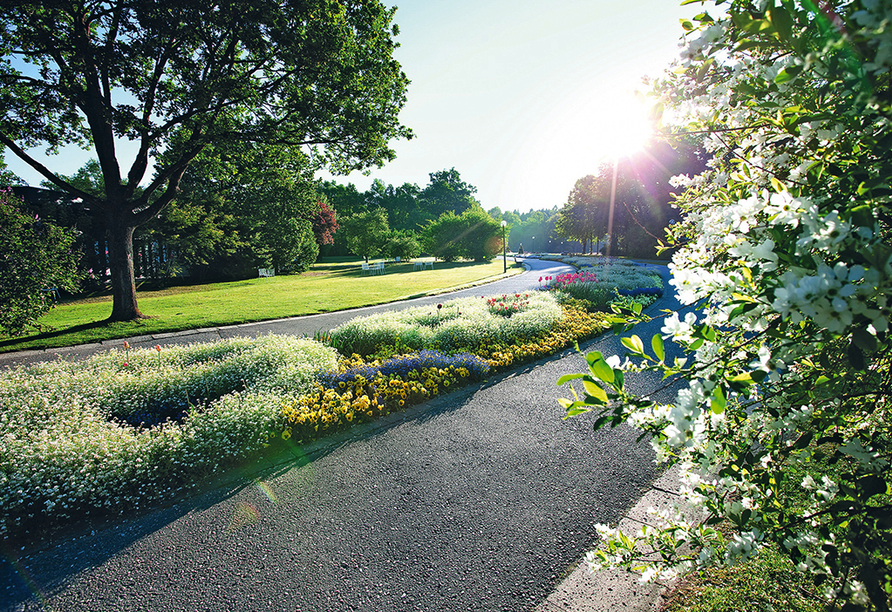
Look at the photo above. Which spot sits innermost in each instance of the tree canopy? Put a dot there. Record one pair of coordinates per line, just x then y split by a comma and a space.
176, 78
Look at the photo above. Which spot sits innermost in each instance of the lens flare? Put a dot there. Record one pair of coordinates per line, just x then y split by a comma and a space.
243, 515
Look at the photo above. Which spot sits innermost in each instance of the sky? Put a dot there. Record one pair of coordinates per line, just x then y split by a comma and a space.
521, 97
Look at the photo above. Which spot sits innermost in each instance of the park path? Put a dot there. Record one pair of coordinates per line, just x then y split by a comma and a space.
481, 500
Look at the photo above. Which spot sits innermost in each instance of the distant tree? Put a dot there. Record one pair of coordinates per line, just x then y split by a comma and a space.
346, 200
446, 192
585, 216
177, 78
442, 237
402, 243
325, 223
35, 258
366, 232
533, 229
629, 201
471, 235
483, 238
287, 243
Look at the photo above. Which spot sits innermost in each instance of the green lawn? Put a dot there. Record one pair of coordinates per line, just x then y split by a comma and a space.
328, 286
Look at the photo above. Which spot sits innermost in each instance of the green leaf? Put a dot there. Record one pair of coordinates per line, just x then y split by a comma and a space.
863, 215
756, 26
782, 22
595, 391
864, 340
804, 440
603, 371
619, 380
787, 74
856, 357
571, 412
741, 381
634, 344
871, 485
656, 343
567, 378
718, 402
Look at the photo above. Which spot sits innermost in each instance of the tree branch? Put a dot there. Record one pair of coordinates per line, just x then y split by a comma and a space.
50, 176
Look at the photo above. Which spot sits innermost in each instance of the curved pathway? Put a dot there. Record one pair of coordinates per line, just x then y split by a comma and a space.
481, 500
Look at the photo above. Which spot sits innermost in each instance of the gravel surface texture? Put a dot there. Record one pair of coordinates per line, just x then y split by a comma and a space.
481, 500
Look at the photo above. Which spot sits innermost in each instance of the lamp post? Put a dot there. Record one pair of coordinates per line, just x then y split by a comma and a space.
504, 249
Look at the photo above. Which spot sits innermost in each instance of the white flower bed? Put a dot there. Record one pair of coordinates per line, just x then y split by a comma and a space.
459, 324
63, 448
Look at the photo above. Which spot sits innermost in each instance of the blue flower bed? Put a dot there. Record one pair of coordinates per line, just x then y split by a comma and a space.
401, 366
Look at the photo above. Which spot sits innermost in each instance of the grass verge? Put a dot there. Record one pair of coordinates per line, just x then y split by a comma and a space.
765, 583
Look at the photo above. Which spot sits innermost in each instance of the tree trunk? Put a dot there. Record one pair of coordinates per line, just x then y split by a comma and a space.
120, 261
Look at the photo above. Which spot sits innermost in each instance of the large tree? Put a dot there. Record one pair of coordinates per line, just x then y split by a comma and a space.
472, 235
172, 78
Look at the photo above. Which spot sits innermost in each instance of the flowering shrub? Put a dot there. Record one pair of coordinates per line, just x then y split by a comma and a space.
786, 250
64, 453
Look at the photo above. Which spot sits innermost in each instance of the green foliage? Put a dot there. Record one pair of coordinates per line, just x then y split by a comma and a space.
631, 197
471, 235
445, 192
766, 583
36, 260
584, 217
366, 232
785, 249
403, 244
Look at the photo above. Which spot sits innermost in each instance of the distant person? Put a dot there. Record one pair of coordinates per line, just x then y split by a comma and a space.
520, 250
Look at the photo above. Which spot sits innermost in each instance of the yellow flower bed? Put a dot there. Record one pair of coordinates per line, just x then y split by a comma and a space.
363, 400
575, 324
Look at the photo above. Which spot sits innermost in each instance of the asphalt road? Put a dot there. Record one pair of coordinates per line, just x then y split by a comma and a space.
482, 500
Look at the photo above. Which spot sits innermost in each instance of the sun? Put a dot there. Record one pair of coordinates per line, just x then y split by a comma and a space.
595, 126
621, 126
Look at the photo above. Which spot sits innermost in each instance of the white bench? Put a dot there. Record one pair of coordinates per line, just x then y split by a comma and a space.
266, 272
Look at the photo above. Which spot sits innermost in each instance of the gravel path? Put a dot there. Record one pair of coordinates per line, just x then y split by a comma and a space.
482, 500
